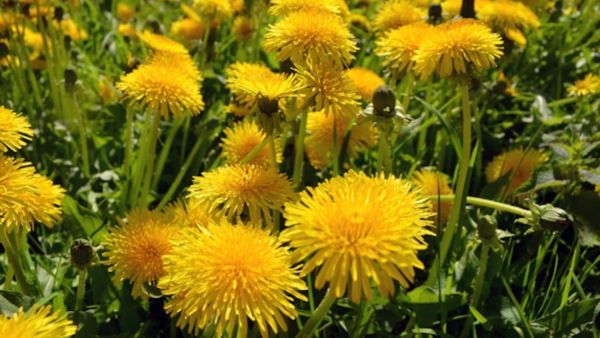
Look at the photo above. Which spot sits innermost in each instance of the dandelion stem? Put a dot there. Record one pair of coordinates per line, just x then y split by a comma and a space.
409, 90
80, 293
150, 160
15, 263
317, 316
254, 152
461, 185
479, 281
299, 155
384, 157
482, 202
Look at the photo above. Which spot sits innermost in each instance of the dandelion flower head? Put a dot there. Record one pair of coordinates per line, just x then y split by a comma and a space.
27, 197
432, 183
38, 322
458, 47
399, 46
359, 230
397, 13
135, 248
15, 130
589, 85
520, 163
314, 35
242, 138
242, 192
226, 275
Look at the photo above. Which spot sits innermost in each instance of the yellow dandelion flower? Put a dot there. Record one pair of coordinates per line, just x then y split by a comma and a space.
248, 81
242, 138
395, 14
15, 130
190, 13
185, 215
161, 43
598, 189
237, 6
27, 197
315, 35
243, 28
319, 139
124, 11
135, 248
517, 37
451, 8
398, 46
432, 183
503, 15
505, 85
106, 91
458, 47
520, 163
33, 40
164, 85
587, 86
188, 29
38, 322
228, 274
242, 191
70, 29
127, 29
359, 229
332, 90
365, 81
218, 10
285, 7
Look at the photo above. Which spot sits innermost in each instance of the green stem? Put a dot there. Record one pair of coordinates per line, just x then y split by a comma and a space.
150, 162
317, 316
409, 90
384, 157
483, 262
562, 102
461, 185
273, 150
299, 155
79, 296
482, 202
184, 169
254, 152
164, 152
15, 263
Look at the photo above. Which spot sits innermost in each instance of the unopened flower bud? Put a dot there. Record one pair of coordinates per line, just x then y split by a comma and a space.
384, 101
82, 253
435, 12
554, 219
486, 227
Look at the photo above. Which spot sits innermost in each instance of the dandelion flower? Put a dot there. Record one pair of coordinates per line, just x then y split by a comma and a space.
218, 10
161, 43
359, 229
458, 47
136, 247
319, 139
248, 81
124, 11
520, 163
503, 15
587, 86
15, 130
164, 85
239, 110
597, 189
242, 138
365, 81
237, 191
126, 29
228, 274
286, 7
360, 21
188, 29
432, 183
27, 197
314, 35
38, 322
399, 46
332, 91
395, 14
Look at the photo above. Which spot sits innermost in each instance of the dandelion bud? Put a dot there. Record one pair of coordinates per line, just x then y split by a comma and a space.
435, 12
267, 106
70, 78
384, 101
59, 13
486, 227
82, 253
555, 219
